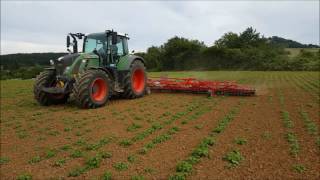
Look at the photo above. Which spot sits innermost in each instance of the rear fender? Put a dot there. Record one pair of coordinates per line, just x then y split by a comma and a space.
126, 61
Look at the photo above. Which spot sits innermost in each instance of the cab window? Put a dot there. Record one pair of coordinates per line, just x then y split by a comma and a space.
120, 47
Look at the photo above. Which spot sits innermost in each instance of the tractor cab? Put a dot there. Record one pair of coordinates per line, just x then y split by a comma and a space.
109, 46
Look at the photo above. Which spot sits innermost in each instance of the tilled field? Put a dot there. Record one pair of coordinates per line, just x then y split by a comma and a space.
274, 135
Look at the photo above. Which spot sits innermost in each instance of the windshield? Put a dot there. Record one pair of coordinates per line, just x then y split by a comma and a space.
95, 42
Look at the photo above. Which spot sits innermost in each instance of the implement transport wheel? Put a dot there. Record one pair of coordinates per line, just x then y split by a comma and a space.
47, 79
135, 82
92, 89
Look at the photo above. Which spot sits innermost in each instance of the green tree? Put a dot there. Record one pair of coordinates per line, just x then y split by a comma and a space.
228, 40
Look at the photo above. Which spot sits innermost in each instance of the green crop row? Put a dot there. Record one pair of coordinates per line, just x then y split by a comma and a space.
90, 163
197, 114
93, 146
159, 139
184, 167
286, 119
157, 126
48, 154
294, 144
308, 123
290, 136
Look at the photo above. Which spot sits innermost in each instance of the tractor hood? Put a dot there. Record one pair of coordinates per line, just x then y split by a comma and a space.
74, 63
62, 62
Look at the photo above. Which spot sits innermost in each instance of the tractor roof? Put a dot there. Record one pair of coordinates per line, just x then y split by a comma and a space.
103, 33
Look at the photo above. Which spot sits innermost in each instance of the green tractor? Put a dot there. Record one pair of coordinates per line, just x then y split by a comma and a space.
103, 69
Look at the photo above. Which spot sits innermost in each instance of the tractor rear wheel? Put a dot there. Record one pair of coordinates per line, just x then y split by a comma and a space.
47, 79
135, 82
92, 89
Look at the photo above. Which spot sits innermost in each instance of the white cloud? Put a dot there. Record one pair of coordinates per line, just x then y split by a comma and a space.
45, 24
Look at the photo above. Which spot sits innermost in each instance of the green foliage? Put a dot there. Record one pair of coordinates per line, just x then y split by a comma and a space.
120, 166
149, 170
202, 149
24, 177
286, 119
133, 127
294, 144
198, 126
184, 166
90, 163
98, 144
59, 162
25, 66
247, 50
225, 121
93, 162
77, 171
137, 177
4, 160
106, 175
159, 139
234, 158
35, 159
51, 153
132, 158
125, 142
65, 147
309, 124
193, 160
178, 176
299, 168
240, 141
76, 153
144, 134
105, 155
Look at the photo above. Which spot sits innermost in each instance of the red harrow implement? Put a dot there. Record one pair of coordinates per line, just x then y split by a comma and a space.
199, 86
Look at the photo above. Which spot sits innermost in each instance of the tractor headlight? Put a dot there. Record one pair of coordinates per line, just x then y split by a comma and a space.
84, 60
51, 62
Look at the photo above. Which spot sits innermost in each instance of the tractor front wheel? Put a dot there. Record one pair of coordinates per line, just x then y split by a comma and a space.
92, 89
135, 82
47, 79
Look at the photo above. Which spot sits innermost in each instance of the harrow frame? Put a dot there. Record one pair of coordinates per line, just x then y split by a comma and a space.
193, 85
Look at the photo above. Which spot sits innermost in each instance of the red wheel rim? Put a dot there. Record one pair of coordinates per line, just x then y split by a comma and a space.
138, 80
99, 89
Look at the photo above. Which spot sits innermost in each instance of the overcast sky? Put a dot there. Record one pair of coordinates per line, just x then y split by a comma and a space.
42, 26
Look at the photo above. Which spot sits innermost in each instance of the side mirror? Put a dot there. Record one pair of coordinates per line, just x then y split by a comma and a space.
114, 38
132, 51
68, 41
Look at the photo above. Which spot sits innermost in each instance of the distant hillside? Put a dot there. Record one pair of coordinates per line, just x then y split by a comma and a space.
15, 61
287, 43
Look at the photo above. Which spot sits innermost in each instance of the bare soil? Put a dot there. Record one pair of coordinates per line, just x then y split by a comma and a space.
29, 130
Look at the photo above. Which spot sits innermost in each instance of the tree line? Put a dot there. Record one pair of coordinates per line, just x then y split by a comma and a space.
248, 50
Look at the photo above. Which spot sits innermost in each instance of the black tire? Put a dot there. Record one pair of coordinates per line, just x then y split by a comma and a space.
84, 89
129, 90
47, 79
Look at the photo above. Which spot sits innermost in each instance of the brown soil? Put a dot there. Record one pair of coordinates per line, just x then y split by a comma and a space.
29, 130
